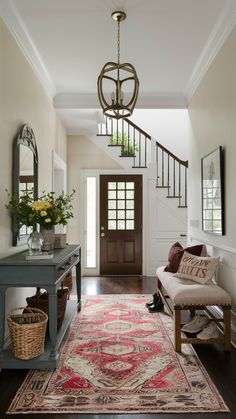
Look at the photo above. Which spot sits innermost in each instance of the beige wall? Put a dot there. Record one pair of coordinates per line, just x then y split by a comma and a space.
212, 114
23, 100
82, 154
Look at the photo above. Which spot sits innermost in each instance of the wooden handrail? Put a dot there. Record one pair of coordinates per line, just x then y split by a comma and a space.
183, 162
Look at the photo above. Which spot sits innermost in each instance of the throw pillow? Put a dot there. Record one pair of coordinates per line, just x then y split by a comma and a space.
176, 253
198, 269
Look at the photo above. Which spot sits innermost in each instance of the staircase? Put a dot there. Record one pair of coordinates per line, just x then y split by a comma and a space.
142, 149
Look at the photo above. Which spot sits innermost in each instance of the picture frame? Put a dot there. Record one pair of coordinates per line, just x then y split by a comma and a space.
212, 185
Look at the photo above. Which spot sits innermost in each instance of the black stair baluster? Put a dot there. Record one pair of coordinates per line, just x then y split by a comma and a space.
157, 165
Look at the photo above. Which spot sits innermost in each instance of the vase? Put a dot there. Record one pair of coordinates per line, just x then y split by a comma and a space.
35, 243
48, 238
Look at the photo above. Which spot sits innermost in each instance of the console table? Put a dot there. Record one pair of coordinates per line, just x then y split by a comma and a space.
16, 271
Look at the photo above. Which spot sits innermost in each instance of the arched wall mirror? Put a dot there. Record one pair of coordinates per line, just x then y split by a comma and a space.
24, 176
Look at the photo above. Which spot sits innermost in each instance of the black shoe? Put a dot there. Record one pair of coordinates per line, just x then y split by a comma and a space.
159, 306
155, 298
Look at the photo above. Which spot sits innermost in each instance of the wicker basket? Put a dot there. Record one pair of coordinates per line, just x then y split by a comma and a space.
67, 282
27, 328
40, 300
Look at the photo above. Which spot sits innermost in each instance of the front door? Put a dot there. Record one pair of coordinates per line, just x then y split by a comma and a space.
121, 225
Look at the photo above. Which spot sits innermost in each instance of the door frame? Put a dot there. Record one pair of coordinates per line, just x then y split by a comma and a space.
82, 210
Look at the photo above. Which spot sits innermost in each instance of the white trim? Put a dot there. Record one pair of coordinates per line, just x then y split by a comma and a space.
17, 28
90, 101
59, 164
221, 247
218, 36
96, 172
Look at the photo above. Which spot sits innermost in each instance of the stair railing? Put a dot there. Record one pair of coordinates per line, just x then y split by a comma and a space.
132, 139
171, 172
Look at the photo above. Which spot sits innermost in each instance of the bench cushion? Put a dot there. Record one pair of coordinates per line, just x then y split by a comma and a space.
187, 292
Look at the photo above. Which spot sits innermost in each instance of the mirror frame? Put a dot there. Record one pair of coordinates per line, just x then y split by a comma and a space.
25, 137
213, 164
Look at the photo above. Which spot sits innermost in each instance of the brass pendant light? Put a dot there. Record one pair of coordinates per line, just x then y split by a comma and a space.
118, 83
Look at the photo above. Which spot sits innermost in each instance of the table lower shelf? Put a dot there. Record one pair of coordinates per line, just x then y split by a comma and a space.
8, 361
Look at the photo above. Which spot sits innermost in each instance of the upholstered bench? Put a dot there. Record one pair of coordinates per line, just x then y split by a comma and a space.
183, 294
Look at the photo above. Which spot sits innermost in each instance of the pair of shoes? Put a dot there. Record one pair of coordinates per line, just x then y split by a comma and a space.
196, 325
209, 332
155, 298
158, 306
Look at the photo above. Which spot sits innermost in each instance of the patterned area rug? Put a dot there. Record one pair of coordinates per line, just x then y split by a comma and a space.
119, 358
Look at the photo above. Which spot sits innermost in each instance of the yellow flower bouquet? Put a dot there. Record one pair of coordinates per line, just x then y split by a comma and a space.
47, 211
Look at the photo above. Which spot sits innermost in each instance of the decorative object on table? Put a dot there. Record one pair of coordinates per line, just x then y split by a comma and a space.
40, 300
60, 241
49, 210
68, 282
213, 192
118, 358
43, 255
35, 243
48, 238
27, 327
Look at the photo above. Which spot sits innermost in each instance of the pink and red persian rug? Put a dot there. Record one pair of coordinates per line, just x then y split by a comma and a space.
119, 358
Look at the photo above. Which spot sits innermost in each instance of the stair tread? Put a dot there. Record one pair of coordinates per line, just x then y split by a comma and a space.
174, 196
158, 186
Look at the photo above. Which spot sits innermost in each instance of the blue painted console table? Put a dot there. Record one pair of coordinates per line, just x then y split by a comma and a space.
16, 271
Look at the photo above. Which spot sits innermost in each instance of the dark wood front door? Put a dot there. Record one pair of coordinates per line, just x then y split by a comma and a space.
121, 225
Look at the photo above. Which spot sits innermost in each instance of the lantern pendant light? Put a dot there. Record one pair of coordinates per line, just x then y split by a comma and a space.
118, 83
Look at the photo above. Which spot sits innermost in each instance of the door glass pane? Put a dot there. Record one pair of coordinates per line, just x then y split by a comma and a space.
121, 194
111, 215
129, 194
129, 214
111, 204
120, 215
129, 204
121, 205
130, 225
121, 225
112, 194
111, 225
91, 222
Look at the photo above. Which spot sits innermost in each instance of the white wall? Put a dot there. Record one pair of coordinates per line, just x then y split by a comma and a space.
170, 127
212, 113
82, 154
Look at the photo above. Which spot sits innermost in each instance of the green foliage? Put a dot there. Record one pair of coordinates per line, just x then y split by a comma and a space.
128, 147
47, 211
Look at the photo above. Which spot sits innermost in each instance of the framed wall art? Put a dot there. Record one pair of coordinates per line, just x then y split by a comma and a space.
212, 173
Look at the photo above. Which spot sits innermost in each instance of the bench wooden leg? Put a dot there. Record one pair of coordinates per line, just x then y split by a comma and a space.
227, 327
177, 330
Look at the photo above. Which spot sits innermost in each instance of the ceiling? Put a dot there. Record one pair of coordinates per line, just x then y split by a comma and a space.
171, 43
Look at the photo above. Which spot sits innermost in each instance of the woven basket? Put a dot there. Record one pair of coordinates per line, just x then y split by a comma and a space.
27, 328
67, 282
40, 300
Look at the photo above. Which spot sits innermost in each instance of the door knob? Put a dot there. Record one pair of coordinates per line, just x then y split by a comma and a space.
102, 234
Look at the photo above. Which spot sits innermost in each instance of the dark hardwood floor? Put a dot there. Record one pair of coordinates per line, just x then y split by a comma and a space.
221, 366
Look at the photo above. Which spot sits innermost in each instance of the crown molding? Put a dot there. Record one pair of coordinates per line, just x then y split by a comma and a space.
90, 101
18, 30
218, 36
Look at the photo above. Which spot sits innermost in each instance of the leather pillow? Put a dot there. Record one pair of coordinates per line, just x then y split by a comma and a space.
176, 253
198, 269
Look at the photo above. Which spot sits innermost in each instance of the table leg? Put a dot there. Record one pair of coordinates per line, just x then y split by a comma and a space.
78, 281
52, 314
2, 317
